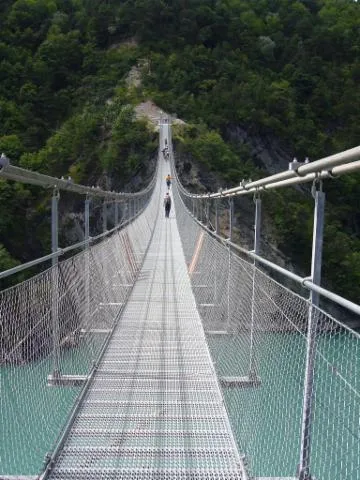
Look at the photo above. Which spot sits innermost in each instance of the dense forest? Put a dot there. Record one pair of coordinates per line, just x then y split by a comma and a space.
286, 71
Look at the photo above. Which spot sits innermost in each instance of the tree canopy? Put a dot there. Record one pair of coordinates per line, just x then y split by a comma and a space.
284, 69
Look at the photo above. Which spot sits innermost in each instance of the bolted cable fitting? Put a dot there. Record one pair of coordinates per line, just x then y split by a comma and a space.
295, 164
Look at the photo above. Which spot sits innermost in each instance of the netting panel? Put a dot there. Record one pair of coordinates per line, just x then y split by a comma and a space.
87, 292
257, 331
335, 443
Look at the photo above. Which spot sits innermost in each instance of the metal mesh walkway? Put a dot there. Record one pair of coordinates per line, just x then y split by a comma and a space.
154, 408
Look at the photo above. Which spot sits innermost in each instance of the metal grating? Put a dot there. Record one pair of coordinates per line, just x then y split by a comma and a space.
154, 409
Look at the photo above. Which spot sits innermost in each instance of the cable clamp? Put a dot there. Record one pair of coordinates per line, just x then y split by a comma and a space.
306, 279
295, 165
331, 174
56, 192
256, 194
316, 185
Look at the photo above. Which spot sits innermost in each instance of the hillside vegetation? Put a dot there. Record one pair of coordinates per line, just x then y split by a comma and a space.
283, 70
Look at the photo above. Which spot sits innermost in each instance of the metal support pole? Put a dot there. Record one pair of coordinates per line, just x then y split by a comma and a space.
55, 283
126, 216
130, 208
231, 218
216, 256
228, 290
257, 233
208, 212
193, 207
116, 214
104, 216
87, 261
231, 208
305, 446
216, 216
87, 222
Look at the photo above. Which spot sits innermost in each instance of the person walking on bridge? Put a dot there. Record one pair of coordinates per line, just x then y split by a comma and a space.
165, 153
167, 204
168, 181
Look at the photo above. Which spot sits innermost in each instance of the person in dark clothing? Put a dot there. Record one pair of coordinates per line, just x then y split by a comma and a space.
167, 205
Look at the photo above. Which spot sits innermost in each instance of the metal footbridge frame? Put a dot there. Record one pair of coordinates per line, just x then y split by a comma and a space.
154, 407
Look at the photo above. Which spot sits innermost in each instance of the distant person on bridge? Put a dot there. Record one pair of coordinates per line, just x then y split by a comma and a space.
165, 152
168, 181
167, 204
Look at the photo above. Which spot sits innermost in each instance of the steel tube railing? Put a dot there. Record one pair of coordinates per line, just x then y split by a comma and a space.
304, 281
60, 252
22, 175
10, 172
32, 263
328, 167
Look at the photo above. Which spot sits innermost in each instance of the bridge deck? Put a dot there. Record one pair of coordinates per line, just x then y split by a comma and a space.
154, 408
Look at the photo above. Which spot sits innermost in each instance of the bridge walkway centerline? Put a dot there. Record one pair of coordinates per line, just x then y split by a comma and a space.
154, 408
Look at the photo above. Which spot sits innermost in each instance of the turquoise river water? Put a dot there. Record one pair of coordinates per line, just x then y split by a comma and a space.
266, 420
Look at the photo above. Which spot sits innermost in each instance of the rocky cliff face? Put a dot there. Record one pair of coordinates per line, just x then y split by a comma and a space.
196, 178
266, 150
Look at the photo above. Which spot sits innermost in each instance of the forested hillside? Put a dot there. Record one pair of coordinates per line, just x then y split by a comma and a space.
285, 71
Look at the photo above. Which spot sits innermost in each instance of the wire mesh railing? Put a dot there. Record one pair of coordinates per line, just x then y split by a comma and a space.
55, 326
256, 330
42, 349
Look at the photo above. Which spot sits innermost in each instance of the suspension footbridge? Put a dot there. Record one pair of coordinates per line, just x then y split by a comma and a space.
160, 350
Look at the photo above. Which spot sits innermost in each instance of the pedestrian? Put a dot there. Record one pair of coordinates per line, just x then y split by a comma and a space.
165, 152
168, 180
167, 204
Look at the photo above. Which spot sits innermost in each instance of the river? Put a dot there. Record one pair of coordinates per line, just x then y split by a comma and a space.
266, 419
